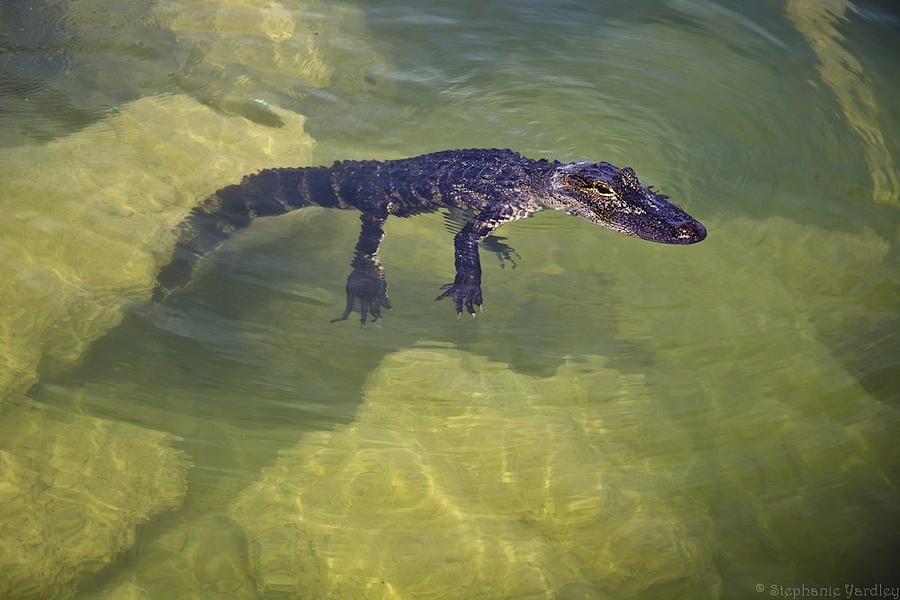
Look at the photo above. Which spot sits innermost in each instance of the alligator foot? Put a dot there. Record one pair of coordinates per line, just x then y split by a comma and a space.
366, 294
463, 294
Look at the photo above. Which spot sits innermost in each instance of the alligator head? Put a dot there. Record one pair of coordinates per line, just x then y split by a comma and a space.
611, 197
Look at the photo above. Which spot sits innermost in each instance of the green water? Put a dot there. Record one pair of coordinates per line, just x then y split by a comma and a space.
626, 420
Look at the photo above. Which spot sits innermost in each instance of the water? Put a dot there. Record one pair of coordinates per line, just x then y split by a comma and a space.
626, 420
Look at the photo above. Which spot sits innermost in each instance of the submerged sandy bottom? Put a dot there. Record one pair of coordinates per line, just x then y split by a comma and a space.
91, 225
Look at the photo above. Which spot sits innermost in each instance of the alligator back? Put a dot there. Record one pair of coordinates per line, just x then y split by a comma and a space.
462, 178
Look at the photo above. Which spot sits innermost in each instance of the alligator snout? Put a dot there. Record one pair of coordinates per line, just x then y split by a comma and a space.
690, 232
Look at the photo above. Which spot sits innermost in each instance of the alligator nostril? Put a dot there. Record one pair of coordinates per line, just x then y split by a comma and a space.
692, 232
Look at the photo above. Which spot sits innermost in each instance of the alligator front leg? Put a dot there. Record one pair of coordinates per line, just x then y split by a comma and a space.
456, 218
466, 288
366, 286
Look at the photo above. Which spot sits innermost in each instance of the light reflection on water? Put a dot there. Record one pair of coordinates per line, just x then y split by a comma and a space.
626, 420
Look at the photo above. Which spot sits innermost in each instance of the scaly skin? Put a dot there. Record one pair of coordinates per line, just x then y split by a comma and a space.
497, 186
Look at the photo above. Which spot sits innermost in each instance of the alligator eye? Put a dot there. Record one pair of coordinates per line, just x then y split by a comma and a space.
604, 189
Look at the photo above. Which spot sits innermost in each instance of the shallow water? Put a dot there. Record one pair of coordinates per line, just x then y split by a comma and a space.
626, 420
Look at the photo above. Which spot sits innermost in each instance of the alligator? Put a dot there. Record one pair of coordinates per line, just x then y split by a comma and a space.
492, 187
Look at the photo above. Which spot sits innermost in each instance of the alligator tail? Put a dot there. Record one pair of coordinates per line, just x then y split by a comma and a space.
268, 192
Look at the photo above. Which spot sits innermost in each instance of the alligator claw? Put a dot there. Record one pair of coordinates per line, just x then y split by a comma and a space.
366, 294
466, 295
